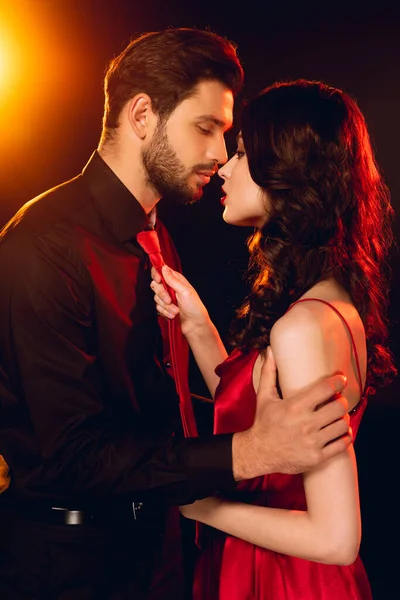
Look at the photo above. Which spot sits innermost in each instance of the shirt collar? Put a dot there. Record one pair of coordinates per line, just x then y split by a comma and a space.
115, 202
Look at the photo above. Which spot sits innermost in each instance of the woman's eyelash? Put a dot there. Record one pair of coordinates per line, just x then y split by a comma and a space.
239, 154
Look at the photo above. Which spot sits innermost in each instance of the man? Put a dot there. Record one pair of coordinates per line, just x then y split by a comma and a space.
89, 419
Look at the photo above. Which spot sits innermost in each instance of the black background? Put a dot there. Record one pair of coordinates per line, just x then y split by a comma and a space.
52, 124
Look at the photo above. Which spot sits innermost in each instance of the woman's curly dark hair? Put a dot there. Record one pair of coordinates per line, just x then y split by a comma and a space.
329, 212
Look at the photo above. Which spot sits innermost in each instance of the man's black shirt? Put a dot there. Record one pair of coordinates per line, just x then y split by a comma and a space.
88, 408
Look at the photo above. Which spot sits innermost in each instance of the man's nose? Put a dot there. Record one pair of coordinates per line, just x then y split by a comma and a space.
218, 152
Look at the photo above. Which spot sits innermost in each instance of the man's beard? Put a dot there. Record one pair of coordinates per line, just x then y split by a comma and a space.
166, 173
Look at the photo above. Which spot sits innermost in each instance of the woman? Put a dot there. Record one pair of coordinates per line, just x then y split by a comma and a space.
304, 176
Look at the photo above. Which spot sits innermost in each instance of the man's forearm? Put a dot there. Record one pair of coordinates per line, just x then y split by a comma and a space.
176, 471
246, 460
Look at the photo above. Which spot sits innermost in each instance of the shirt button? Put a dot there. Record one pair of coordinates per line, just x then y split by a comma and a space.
167, 365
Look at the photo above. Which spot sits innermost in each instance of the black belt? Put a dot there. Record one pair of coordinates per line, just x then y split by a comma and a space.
65, 516
58, 515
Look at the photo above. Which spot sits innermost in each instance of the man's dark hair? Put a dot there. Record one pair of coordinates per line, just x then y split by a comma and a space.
168, 65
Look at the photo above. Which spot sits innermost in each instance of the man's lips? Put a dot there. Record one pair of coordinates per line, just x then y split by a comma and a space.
205, 176
206, 173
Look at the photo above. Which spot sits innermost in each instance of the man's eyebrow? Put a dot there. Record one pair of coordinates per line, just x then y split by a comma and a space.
213, 119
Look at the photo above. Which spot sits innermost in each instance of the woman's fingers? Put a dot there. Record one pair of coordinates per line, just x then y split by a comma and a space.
155, 275
160, 292
167, 310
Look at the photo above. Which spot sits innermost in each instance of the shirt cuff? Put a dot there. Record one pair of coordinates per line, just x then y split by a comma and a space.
207, 462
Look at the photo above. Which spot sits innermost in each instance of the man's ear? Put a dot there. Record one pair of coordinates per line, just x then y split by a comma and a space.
140, 115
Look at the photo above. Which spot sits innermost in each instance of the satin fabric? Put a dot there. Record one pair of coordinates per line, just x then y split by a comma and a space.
232, 569
178, 345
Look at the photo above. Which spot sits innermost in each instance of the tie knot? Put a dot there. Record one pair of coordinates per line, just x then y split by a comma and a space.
149, 241
151, 245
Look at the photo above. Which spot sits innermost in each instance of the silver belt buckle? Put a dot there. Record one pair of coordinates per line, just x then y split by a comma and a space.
136, 506
71, 517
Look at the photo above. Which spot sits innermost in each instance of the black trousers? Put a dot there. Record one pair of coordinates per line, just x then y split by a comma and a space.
39, 561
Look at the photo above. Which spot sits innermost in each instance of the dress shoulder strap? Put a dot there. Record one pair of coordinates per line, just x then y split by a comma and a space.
347, 327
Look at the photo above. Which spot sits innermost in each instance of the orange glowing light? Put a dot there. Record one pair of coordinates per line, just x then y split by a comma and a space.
3, 63
39, 72
8, 64
15, 58
3, 59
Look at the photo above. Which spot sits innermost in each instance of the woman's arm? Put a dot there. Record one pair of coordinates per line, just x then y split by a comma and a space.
201, 333
208, 351
329, 531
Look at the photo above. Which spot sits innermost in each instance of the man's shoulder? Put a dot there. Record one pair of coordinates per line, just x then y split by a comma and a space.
43, 212
48, 225
43, 237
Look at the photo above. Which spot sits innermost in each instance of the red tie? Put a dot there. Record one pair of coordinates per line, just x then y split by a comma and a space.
151, 245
